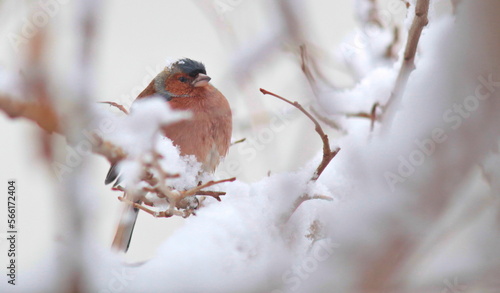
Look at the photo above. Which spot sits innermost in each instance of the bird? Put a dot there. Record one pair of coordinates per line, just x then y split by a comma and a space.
184, 85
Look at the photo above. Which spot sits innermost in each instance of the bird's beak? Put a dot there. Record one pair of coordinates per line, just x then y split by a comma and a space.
201, 80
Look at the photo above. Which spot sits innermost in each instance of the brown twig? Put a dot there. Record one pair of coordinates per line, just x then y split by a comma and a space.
308, 64
148, 176
328, 154
238, 141
326, 120
193, 191
177, 203
156, 214
419, 22
304, 65
107, 149
118, 188
214, 194
176, 206
372, 16
392, 49
120, 107
301, 200
372, 115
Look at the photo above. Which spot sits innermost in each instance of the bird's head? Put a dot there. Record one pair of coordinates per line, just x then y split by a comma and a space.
181, 79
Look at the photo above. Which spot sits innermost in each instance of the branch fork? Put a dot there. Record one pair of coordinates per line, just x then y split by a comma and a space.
179, 203
328, 153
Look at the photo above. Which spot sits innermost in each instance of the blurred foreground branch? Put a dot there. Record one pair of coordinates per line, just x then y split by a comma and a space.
38, 112
45, 116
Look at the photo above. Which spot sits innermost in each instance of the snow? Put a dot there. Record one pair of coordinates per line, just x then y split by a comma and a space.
173, 163
9, 84
375, 87
137, 132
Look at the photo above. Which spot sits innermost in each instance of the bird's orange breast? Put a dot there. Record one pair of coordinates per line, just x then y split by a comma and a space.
207, 135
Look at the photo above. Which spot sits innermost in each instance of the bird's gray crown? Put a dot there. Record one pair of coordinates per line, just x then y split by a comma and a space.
190, 67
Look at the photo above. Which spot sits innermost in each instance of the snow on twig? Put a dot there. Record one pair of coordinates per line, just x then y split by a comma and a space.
408, 65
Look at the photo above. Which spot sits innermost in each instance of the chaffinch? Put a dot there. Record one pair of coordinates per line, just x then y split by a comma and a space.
185, 86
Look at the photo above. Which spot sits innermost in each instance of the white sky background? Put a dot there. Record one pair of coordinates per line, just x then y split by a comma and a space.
134, 39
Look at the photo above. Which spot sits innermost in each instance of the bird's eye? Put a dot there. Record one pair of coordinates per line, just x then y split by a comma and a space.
182, 79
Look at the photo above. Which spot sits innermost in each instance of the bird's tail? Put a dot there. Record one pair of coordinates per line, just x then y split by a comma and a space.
123, 234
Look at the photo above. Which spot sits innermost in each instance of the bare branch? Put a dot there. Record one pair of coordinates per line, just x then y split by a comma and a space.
156, 214
193, 191
108, 150
238, 141
328, 154
308, 65
177, 207
214, 194
419, 22
301, 200
40, 113
392, 49
120, 107
372, 115
326, 120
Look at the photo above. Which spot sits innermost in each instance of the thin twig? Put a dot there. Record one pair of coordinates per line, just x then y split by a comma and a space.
118, 188
326, 120
149, 176
328, 154
392, 49
374, 115
156, 214
165, 190
107, 149
137, 206
214, 194
408, 65
193, 191
120, 107
306, 63
238, 141
175, 201
301, 200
